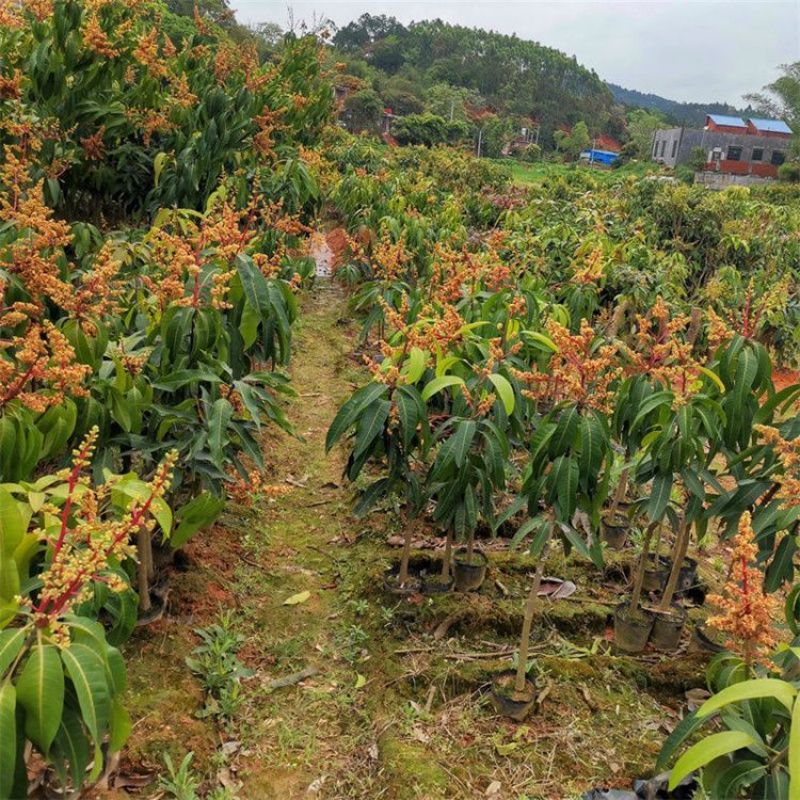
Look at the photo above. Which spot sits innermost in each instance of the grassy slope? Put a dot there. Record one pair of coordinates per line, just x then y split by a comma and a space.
421, 725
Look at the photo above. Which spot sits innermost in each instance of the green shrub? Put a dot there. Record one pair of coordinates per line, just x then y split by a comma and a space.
789, 172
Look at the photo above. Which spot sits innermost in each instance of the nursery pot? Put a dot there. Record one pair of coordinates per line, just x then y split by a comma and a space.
687, 577
631, 631
391, 585
158, 605
433, 585
656, 573
469, 575
509, 702
703, 642
615, 532
623, 507
668, 628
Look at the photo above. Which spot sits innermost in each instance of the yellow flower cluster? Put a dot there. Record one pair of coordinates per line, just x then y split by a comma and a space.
246, 491
579, 371
90, 539
788, 452
746, 612
661, 349
39, 369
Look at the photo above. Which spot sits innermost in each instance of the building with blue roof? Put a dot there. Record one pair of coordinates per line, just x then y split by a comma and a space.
768, 126
721, 121
745, 147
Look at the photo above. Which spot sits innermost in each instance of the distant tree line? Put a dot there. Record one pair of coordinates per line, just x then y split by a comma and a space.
453, 72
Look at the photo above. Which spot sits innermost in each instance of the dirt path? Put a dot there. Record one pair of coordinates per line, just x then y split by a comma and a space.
305, 738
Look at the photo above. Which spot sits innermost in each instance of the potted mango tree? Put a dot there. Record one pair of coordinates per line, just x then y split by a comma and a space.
740, 376
469, 469
759, 441
669, 411
388, 427
569, 453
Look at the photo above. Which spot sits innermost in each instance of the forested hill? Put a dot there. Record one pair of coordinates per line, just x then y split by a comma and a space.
513, 76
675, 111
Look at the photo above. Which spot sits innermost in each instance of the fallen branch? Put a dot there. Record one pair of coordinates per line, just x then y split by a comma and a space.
480, 656
447, 623
291, 680
407, 650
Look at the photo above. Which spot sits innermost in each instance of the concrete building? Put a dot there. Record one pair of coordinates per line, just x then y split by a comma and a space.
731, 145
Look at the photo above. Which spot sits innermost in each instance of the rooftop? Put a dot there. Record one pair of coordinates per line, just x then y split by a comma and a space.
770, 125
723, 119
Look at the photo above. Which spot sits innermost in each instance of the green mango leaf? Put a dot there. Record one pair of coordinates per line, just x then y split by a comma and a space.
705, 751
218, 421
371, 426
120, 726
793, 756
11, 642
8, 738
438, 384
248, 326
70, 753
12, 529
738, 776
414, 366
200, 512
87, 672
659, 496
461, 440
504, 390
349, 413
782, 691
40, 691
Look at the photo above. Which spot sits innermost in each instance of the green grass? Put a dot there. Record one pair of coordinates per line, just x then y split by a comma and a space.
533, 173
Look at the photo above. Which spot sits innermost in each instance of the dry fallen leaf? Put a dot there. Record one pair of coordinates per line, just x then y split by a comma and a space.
696, 697
493, 789
298, 598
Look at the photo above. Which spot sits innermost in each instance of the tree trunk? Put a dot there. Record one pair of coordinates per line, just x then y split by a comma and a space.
402, 576
143, 546
530, 607
448, 549
616, 320
695, 325
678, 555
619, 494
636, 594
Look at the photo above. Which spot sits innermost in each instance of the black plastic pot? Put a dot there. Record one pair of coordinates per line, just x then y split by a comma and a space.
158, 605
702, 641
390, 585
687, 577
507, 701
631, 631
615, 533
656, 574
469, 575
668, 629
623, 508
433, 585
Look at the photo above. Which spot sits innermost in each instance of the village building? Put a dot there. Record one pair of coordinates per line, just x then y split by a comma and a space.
752, 147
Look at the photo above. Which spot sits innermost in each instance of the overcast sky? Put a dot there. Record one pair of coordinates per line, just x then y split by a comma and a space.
682, 49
